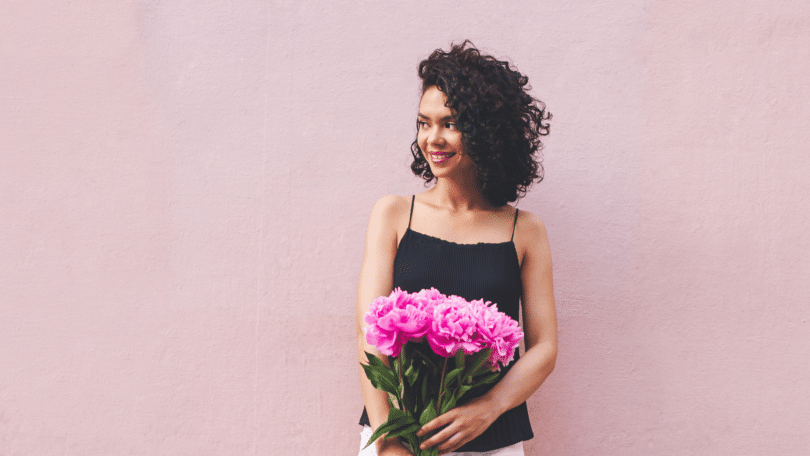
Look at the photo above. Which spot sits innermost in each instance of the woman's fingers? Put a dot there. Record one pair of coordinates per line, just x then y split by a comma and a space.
457, 426
452, 437
436, 423
441, 439
452, 444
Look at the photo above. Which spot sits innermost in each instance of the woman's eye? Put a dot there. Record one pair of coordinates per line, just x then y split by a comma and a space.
450, 126
421, 123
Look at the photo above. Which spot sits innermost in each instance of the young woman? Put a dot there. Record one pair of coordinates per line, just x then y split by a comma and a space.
479, 139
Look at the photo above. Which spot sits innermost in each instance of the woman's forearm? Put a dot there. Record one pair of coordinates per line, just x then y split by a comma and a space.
376, 401
524, 378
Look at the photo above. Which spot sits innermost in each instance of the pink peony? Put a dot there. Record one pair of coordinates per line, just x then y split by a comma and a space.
452, 328
496, 331
449, 323
396, 319
430, 296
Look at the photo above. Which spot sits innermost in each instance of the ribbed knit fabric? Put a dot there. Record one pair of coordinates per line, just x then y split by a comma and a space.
473, 271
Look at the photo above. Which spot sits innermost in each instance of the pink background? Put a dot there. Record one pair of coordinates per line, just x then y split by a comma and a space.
184, 189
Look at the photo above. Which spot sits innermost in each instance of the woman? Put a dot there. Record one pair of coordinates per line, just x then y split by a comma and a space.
478, 137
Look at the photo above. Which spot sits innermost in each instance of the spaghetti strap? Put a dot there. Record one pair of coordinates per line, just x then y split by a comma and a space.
513, 225
411, 216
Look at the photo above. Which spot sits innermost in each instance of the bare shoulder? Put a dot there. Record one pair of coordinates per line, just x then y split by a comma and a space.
530, 226
389, 214
531, 238
390, 203
391, 207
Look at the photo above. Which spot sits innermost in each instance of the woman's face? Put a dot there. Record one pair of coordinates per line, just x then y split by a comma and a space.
438, 138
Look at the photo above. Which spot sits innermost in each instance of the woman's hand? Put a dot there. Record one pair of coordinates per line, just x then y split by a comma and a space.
461, 424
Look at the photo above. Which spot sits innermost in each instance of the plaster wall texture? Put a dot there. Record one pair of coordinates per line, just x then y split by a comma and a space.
185, 186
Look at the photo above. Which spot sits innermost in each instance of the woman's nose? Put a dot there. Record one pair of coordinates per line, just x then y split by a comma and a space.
435, 136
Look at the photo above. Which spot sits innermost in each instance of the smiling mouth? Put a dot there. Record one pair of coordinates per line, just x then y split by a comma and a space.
442, 155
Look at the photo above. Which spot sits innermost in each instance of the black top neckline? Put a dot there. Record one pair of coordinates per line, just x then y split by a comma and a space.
509, 243
511, 240
457, 243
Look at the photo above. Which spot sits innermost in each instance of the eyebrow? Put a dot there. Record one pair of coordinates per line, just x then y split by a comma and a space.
422, 116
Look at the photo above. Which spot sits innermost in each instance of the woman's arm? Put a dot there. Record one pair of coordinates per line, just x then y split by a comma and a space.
376, 279
539, 323
466, 422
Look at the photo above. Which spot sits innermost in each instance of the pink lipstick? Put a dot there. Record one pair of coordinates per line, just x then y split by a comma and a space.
441, 157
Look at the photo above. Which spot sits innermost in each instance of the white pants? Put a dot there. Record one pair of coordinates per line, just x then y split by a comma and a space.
511, 450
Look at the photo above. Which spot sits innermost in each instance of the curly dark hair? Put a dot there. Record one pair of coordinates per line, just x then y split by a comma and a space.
501, 124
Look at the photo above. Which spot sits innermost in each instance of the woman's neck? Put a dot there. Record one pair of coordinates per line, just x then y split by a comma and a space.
459, 195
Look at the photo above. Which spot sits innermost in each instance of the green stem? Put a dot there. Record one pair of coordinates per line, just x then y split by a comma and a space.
401, 386
441, 389
428, 360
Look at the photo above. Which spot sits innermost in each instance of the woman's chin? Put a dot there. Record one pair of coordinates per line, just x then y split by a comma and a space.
438, 172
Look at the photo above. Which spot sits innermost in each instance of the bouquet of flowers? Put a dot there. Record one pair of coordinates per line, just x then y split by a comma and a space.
443, 347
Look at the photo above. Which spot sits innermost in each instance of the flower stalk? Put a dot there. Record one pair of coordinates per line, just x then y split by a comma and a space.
401, 387
441, 389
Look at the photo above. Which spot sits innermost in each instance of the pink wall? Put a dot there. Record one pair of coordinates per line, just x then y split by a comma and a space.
184, 190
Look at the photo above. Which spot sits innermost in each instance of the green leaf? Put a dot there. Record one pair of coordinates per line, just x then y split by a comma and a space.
404, 430
483, 380
460, 358
427, 361
424, 386
397, 420
377, 434
452, 376
395, 414
483, 369
429, 413
381, 380
449, 403
412, 440
374, 361
477, 360
381, 376
411, 374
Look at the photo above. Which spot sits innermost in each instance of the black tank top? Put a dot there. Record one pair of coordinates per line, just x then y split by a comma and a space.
488, 271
